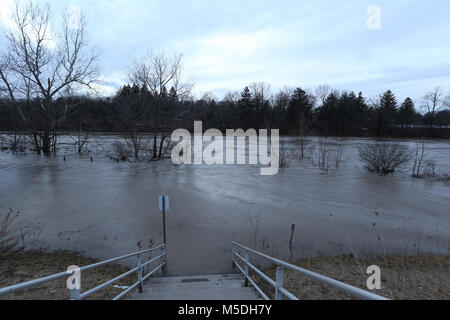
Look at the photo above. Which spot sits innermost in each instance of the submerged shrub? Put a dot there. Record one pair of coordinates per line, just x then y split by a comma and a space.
121, 151
384, 158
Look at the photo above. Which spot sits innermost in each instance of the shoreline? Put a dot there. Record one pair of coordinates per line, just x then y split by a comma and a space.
415, 277
403, 277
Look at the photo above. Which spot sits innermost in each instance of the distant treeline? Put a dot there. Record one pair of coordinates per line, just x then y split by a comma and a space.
294, 112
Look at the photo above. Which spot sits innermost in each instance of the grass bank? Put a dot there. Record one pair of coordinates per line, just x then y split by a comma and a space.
421, 277
403, 277
29, 265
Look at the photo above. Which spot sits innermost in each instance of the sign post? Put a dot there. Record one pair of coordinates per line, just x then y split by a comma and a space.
163, 206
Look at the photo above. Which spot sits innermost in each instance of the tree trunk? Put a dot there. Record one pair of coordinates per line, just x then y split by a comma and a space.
154, 146
36, 143
46, 142
161, 145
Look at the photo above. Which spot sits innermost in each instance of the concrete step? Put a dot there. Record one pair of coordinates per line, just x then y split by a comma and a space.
207, 287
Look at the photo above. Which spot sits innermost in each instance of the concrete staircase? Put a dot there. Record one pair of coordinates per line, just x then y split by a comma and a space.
210, 287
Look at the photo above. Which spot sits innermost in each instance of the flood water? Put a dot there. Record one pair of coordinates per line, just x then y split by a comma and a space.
103, 208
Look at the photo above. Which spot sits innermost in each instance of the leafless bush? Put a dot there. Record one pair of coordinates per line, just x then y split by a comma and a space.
423, 165
444, 177
285, 154
338, 154
10, 237
384, 158
304, 149
164, 150
16, 143
134, 143
303, 142
327, 155
2, 143
430, 168
121, 151
323, 159
80, 141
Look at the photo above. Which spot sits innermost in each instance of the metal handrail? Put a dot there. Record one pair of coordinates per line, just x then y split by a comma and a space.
281, 265
75, 294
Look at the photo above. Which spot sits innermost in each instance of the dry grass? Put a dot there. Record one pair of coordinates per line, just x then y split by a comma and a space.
31, 265
10, 237
422, 277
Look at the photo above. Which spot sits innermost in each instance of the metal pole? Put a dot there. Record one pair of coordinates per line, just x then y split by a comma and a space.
164, 219
74, 294
279, 283
139, 273
246, 269
164, 268
232, 256
164, 259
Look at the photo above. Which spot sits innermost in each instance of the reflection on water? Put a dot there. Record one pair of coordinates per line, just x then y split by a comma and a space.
103, 207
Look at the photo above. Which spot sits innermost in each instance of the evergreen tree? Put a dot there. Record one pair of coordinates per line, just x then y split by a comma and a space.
388, 102
407, 112
328, 113
387, 111
246, 108
299, 109
361, 103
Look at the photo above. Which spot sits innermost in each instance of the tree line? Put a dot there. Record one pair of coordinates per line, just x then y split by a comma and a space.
40, 88
135, 108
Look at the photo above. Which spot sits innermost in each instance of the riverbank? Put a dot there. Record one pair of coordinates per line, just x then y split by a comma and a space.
30, 265
418, 277
403, 277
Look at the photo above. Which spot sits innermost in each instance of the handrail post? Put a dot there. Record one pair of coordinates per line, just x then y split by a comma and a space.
74, 294
164, 258
246, 269
279, 282
139, 273
233, 261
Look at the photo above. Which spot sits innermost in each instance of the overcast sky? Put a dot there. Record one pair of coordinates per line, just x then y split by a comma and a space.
229, 44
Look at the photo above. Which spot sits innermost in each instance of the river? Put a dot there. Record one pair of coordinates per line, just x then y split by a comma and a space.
103, 208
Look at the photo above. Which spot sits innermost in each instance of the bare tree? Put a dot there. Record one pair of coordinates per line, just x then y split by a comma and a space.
433, 102
321, 154
384, 158
261, 93
338, 154
164, 78
81, 139
282, 98
134, 142
285, 154
322, 92
303, 131
260, 90
423, 165
232, 97
328, 153
39, 64
419, 158
209, 97
447, 101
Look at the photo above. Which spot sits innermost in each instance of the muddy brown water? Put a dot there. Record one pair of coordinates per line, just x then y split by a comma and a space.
103, 208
